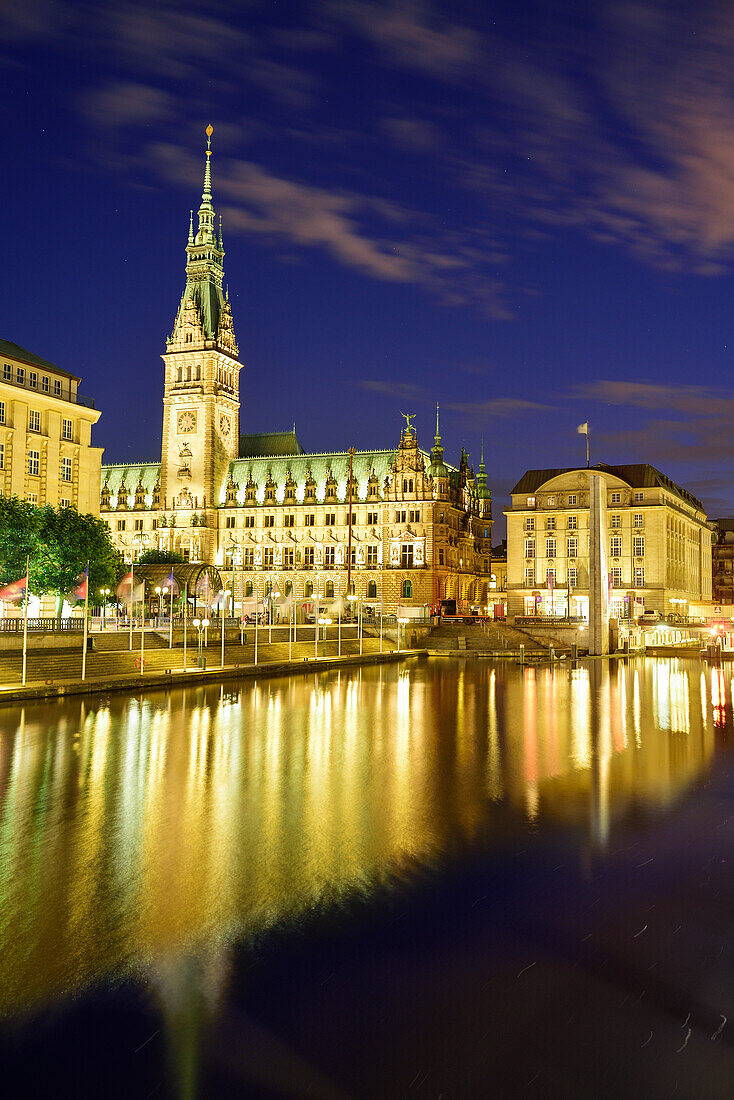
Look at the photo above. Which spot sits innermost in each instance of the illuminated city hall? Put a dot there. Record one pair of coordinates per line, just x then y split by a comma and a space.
406, 526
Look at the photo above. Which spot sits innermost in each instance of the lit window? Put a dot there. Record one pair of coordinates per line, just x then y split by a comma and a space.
34, 463
551, 501
34, 420
639, 576
531, 502
66, 469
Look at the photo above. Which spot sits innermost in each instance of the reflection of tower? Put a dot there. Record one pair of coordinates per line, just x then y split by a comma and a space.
601, 752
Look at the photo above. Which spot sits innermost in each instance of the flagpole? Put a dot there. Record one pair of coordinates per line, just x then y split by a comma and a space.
170, 625
132, 604
86, 610
587, 446
25, 617
142, 632
185, 609
222, 617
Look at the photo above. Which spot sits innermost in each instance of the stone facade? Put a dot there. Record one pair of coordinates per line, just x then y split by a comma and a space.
657, 543
723, 561
46, 452
272, 517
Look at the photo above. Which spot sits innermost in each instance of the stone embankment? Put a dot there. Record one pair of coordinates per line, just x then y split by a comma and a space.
496, 639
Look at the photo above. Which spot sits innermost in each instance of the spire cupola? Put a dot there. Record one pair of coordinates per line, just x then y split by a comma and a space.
437, 467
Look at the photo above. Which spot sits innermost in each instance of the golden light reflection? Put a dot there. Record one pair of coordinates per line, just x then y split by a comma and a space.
131, 830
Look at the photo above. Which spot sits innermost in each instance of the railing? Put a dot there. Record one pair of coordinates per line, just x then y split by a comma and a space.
548, 620
48, 626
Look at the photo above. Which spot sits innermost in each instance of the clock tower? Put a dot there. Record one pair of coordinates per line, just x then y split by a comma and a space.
201, 394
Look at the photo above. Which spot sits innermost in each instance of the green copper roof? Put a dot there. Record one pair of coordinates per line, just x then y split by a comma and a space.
270, 443
15, 351
129, 475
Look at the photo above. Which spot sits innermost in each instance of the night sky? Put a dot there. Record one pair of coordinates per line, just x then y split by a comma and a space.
524, 211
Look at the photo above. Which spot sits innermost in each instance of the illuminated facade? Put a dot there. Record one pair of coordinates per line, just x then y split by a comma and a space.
420, 528
658, 543
46, 452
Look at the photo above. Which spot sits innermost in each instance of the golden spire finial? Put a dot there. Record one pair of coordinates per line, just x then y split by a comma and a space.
209, 131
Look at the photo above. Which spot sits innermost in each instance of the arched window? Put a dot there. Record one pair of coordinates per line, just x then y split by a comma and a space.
405, 485
308, 589
288, 588
407, 590
179, 374
198, 372
410, 486
188, 374
372, 590
248, 588
329, 590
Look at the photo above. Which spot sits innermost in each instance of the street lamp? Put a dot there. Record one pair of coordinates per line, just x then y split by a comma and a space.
104, 593
158, 610
401, 622
201, 625
324, 621
351, 596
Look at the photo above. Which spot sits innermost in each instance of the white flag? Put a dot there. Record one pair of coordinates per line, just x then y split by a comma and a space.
583, 429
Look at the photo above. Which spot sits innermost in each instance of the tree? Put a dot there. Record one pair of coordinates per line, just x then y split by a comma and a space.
59, 543
160, 557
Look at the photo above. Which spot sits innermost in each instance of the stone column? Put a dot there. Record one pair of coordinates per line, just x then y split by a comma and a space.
598, 576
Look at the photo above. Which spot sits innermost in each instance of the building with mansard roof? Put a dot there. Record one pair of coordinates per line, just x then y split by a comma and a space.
406, 528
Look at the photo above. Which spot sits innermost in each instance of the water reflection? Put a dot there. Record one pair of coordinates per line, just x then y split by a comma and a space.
145, 835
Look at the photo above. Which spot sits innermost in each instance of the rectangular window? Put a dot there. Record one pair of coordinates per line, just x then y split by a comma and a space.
308, 557
289, 521
7, 372
2, 412
2, 456
288, 554
572, 523
551, 502
248, 557
44, 383
572, 500
616, 576
371, 557
33, 498
230, 522
353, 559
550, 548
638, 519
529, 578
415, 515
249, 521
550, 523
639, 576
440, 556
550, 575
138, 524
350, 520
57, 387
372, 520
34, 463
268, 521
20, 375
639, 496
441, 519
639, 546
573, 576
572, 547
615, 546
530, 523
32, 379
66, 429
66, 469
34, 420
121, 524
616, 498
406, 556
65, 502
330, 519
309, 519
268, 557
529, 548
615, 521
400, 517
329, 555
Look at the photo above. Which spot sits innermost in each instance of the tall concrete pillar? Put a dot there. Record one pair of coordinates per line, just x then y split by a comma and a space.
598, 575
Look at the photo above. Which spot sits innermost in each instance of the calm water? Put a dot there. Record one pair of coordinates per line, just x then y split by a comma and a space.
144, 841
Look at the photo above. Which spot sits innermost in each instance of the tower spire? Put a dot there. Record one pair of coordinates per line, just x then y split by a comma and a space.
438, 434
207, 195
191, 226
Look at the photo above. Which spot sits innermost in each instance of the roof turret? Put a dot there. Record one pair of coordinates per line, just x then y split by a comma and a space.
437, 467
482, 491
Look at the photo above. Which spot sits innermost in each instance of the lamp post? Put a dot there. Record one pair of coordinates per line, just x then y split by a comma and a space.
225, 593
351, 597
401, 622
158, 591
104, 593
324, 621
201, 626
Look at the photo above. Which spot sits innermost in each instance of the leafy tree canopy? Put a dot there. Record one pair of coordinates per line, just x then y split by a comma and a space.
59, 543
159, 557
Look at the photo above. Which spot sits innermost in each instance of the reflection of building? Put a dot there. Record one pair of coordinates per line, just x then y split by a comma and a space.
723, 561
658, 542
46, 456
498, 576
420, 528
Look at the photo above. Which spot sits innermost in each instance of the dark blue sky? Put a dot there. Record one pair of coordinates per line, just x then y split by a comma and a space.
523, 211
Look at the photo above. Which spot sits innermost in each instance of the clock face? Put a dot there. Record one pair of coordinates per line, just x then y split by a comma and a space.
224, 425
187, 422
